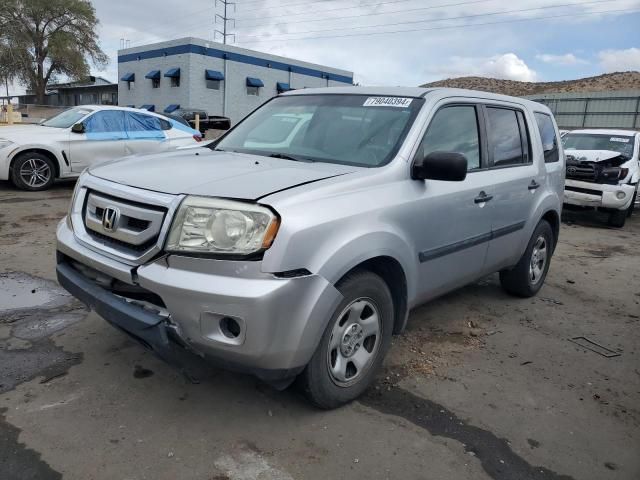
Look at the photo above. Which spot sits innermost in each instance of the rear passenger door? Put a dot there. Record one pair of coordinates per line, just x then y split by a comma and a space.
145, 134
517, 179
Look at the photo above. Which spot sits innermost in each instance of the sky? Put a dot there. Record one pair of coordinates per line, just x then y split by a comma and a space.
400, 42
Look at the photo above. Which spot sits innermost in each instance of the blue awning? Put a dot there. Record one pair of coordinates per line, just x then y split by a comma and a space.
254, 82
153, 75
150, 108
171, 108
213, 75
172, 72
282, 87
128, 77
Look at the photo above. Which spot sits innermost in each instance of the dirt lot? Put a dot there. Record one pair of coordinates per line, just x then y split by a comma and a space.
481, 386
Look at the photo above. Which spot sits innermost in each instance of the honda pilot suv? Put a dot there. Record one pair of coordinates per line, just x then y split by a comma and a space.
296, 245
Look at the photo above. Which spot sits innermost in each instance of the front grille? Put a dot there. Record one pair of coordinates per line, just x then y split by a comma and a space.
127, 226
110, 242
593, 172
584, 171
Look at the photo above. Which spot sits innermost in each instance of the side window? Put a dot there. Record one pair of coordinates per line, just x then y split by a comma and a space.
106, 121
454, 129
139, 125
505, 142
548, 137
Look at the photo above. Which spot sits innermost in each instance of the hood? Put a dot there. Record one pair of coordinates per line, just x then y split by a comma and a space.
217, 174
592, 155
29, 133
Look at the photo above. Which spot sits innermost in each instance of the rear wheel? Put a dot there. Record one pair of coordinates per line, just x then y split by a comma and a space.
354, 343
527, 277
33, 171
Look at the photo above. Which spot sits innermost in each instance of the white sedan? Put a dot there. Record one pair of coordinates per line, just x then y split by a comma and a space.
33, 156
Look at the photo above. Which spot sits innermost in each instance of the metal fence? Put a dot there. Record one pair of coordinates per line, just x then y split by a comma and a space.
594, 110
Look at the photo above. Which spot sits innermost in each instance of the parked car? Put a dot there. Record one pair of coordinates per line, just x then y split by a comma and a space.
206, 122
603, 169
299, 256
33, 156
177, 118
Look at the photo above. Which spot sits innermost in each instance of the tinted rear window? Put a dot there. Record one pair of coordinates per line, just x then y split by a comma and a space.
548, 137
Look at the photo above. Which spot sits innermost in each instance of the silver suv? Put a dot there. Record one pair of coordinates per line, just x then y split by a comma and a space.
296, 245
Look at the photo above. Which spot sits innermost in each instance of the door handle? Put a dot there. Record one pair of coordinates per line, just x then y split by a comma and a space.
482, 197
533, 185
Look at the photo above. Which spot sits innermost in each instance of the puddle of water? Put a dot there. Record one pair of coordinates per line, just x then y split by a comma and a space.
20, 291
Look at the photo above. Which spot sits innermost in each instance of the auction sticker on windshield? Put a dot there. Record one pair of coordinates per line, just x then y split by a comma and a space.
401, 102
619, 139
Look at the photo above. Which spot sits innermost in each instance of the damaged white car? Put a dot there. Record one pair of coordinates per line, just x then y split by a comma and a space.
603, 169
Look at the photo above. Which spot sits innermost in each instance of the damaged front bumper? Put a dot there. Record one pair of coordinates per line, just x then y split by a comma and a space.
279, 320
597, 195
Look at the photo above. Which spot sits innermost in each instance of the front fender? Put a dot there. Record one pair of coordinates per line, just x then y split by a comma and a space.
62, 165
376, 244
333, 249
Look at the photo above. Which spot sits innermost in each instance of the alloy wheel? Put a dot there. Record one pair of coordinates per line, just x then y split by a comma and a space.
35, 172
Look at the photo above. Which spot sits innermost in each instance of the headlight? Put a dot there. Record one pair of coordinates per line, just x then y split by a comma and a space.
210, 225
4, 143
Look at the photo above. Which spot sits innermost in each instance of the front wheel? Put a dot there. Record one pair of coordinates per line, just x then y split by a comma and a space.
633, 204
527, 277
354, 343
618, 218
33, 171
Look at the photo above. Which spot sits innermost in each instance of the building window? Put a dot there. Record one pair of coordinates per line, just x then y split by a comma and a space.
155, 83
253, 86
213, 84
131, 85
175, 81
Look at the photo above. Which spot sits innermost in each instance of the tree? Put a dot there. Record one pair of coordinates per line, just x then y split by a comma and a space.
7, 67
49, 38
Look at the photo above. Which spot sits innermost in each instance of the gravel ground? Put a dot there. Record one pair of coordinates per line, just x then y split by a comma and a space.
482, 385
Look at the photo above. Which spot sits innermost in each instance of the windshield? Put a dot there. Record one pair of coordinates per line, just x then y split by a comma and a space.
590, 141
67, 118
347, 129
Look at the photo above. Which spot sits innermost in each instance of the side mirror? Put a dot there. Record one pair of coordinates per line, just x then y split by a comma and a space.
447, 166
78, 128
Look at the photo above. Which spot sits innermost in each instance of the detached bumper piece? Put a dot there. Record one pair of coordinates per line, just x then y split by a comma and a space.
145, 327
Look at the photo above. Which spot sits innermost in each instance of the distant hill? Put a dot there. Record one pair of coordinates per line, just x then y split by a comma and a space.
600, 83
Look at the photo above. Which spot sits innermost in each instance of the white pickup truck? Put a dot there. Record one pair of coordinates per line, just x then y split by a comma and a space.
603, 169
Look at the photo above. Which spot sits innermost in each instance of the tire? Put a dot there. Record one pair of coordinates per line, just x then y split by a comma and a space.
618, 218
633, 204
33, 171
523, 280
348, 341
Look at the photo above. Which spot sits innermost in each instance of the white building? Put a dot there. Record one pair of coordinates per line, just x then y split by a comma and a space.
221, 79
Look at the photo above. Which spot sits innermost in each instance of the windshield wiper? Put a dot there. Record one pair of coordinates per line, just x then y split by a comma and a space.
284, 156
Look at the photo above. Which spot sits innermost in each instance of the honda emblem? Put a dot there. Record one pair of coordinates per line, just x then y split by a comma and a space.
110, 219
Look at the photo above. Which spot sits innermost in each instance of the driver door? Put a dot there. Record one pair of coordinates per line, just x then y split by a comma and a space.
104, 138
451, 221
